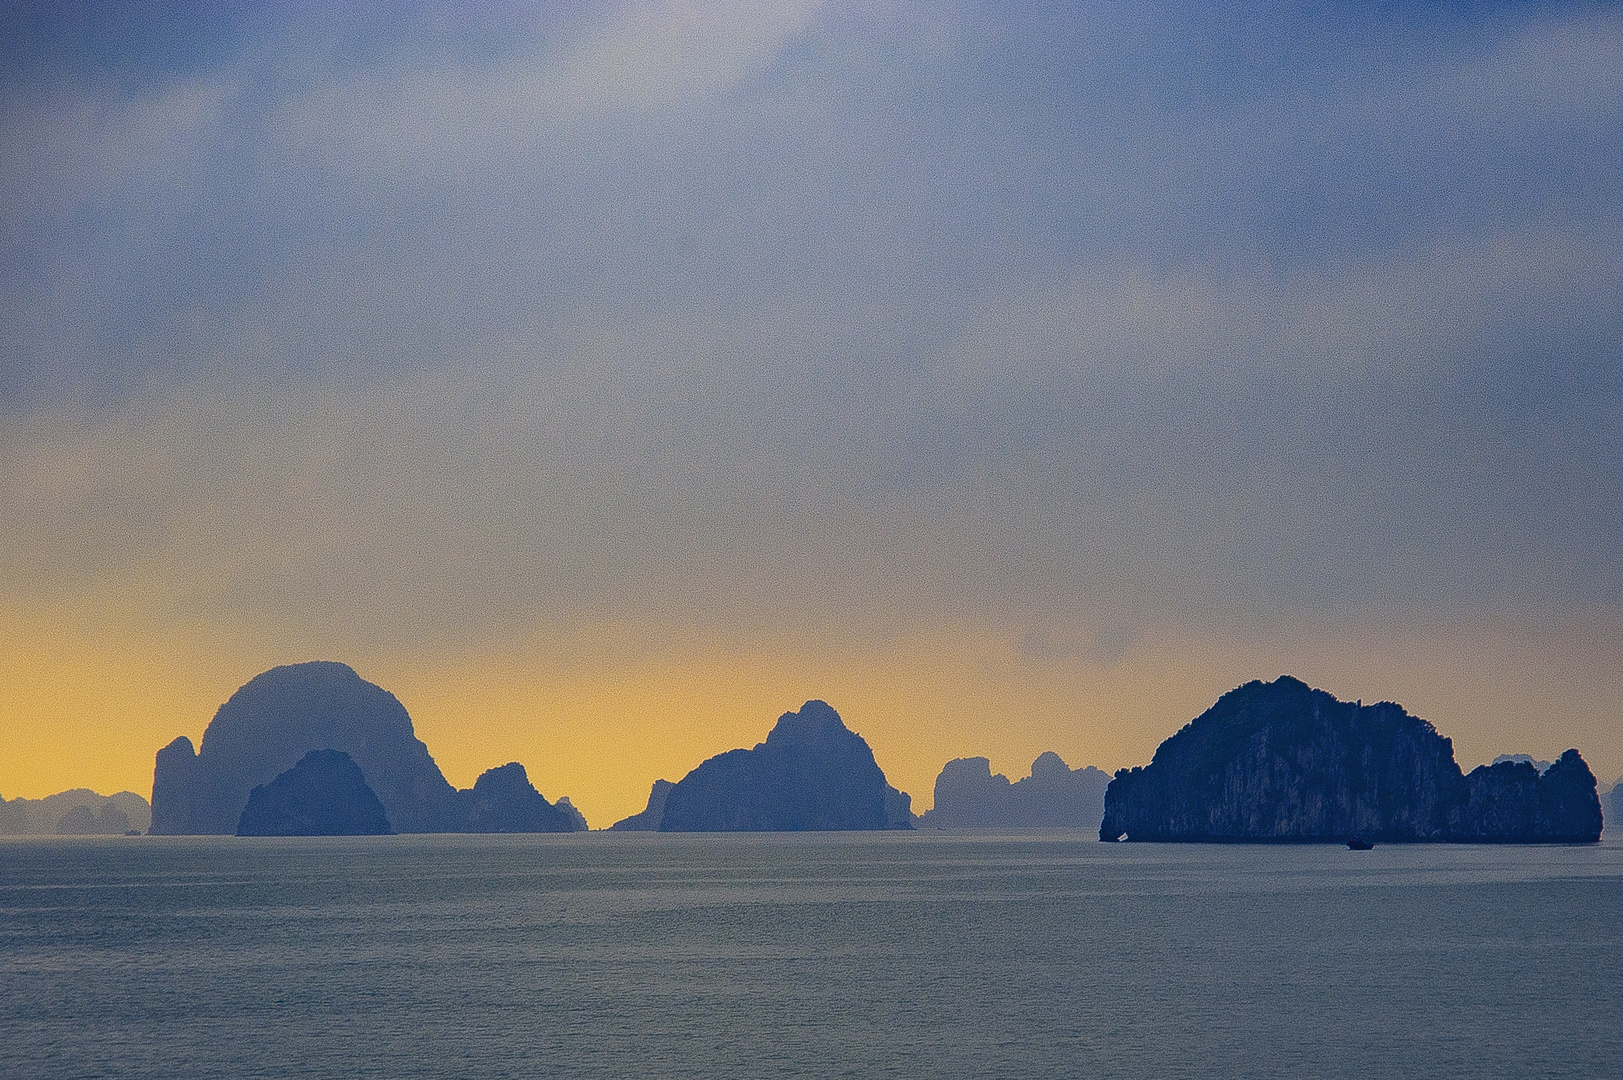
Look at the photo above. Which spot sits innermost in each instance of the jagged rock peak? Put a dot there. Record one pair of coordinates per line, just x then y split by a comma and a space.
280, 715
814, 724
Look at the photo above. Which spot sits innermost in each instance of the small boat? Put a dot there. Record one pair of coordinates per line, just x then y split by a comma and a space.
1355, 844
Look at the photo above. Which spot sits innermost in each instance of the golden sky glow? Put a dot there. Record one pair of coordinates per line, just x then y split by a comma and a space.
600, 716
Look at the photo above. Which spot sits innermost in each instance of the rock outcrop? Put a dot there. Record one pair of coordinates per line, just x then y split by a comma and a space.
1512, 800
277, 718
323, 795
79, 812
812, 773
504, 801
650, 817
285, 713
1281, 761
968, 795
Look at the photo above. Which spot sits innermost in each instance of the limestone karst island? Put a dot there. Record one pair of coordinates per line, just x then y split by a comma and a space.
313, 749
1281, 761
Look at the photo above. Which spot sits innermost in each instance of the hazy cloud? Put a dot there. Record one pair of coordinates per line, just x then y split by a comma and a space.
360, 322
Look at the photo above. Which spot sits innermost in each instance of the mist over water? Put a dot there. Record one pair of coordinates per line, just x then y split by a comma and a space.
1037, 954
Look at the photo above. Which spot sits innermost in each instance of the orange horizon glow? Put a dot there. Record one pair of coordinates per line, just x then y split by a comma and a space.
91, 708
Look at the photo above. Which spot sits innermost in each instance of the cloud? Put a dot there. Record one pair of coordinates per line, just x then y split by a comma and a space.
810, 309
451, 123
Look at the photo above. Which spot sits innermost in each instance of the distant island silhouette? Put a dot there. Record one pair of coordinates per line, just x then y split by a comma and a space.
969, 796
504, 801
79, 812
1521, 759
281, 715
1275, 761
323, 795
1282, 761
811, 773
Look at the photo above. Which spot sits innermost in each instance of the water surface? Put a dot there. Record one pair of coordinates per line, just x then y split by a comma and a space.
1041, 954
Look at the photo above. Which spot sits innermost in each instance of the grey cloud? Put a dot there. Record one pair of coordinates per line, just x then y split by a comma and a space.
845, 310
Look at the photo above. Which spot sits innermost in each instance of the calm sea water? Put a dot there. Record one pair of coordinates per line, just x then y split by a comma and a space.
1032, 955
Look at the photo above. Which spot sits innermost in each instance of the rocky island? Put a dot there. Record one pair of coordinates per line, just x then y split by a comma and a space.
504, 801
323, 795
1281, 761
280, 716
968, 795
812, 773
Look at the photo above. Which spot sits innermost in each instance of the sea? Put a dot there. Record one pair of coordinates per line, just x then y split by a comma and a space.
931, 954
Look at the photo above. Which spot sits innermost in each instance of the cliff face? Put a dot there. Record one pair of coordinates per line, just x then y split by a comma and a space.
181, 799
277, 718
323, 795
969, 796
504, 801
812, 773
1281, 761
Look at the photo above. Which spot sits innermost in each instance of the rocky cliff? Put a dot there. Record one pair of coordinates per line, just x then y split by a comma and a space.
968, 795
1282, 761
323, 795
812, 773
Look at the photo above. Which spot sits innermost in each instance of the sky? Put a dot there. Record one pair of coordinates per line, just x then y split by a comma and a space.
606, 380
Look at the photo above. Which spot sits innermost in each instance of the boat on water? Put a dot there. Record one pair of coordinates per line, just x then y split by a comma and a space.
1355, 844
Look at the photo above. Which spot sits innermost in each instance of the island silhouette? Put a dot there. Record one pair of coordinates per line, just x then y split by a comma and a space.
78, 812
283, 714
1282, 761
308, 749
323, 795
968, 795
812, 773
